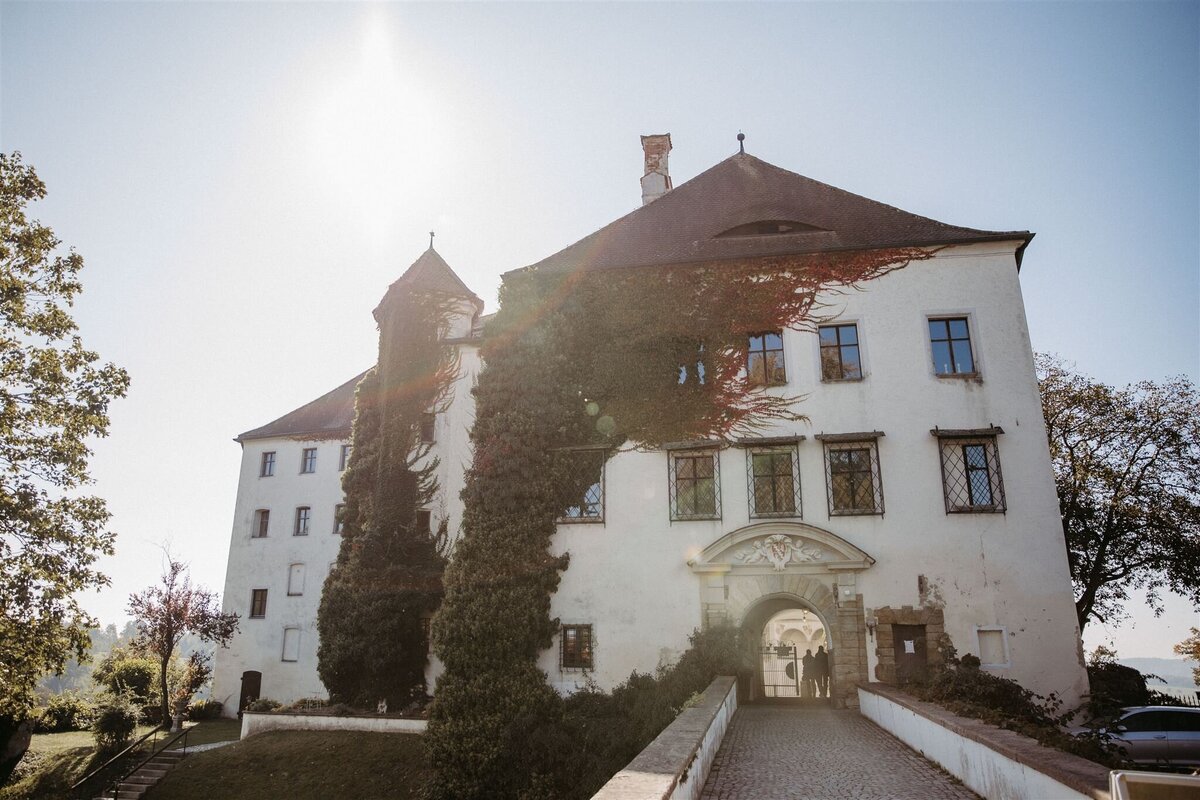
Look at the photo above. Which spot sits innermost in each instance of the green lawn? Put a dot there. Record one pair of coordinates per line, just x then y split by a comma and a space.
57, 760
213, 730
302, 765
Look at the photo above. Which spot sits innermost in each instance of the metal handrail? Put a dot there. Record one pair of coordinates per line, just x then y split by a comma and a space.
157, 729
154, 753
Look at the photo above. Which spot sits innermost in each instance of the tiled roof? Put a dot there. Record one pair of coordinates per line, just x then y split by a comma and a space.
431, 273
686, 224
327, 417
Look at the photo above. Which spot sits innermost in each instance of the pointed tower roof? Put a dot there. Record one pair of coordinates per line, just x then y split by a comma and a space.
328, 417
744, 207
431, 273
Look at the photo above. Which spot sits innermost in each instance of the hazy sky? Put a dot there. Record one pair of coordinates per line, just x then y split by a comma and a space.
244, 181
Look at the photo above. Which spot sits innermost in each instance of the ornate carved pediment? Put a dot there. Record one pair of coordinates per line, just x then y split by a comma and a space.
780, 547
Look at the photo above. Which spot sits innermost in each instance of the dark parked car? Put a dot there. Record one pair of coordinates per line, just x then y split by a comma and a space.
1166, 735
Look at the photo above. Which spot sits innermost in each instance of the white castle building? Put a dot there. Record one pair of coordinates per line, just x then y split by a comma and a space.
917, 500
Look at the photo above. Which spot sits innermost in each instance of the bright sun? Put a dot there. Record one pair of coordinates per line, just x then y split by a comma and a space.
374, 131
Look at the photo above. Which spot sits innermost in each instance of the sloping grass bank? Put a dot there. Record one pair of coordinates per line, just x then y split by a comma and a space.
302, 765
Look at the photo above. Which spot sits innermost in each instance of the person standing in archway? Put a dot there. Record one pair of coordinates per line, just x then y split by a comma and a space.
821, 671
809, 674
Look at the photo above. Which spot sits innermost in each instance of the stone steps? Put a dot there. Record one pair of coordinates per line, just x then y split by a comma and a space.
148, 775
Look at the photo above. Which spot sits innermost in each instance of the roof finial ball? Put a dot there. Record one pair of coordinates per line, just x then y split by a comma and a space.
741, 143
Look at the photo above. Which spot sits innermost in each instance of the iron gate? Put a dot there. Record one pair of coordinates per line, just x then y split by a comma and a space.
780, 671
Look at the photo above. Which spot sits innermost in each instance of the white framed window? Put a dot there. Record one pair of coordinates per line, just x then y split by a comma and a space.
853, 482
266, 467
258, 603
773, 478
841, 354
695, 483
308, 461
951, 348
295, 580
343, 458
291, 644
764, 359
971, 479
303, 518
993, 646
262, 524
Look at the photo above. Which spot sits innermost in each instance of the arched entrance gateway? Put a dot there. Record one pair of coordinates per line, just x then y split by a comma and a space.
776, 577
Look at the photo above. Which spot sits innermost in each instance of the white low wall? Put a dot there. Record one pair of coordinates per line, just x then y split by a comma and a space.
675, 765
260, 722
995, 763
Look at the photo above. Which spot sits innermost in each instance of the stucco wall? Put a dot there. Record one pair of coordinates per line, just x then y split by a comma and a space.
263, 563
253, 723
630, 578
676, 764
998, 764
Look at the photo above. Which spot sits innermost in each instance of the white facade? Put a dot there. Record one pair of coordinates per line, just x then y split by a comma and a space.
263, 644
994, 578
631, 579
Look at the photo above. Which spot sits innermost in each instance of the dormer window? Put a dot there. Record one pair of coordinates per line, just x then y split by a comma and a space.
770, 227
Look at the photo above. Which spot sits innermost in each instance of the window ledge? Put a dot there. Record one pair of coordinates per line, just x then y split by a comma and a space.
844, 380
780, 515
856, 513
959, 376
705, 518
574, 521
976, 510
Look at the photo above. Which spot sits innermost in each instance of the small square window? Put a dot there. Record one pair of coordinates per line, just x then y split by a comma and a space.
852, 477
950, 341
258, 603
291, 644
428, 427
576, 652
267, 467
840, 356
695, 484
339, 519
303, 517
764, 359
971, 479
295, 580
993, 649
308, 461
262, 521
344, 458
581, 473
774, 482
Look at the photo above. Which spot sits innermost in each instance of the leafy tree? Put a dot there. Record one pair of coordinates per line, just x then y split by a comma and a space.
164, 614
54, 397
1127, 468
1190, 648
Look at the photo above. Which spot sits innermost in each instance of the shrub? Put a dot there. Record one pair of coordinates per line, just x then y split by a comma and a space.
960, 686
204, 709
125, 672
65, 712
263, 704
306, 704
116, 720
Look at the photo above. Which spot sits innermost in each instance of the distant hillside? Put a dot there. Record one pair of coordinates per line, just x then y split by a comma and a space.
1175, 671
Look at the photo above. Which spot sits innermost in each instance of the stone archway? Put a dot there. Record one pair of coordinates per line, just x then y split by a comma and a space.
790, 565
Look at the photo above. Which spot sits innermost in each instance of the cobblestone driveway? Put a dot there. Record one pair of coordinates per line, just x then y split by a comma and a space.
782, 753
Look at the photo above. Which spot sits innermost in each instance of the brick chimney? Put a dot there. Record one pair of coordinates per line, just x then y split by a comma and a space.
657, 180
